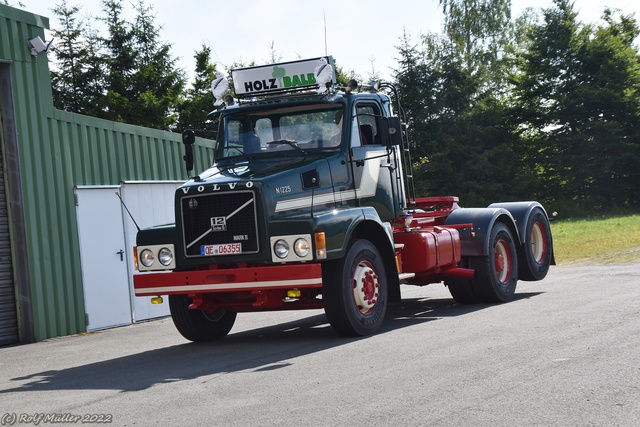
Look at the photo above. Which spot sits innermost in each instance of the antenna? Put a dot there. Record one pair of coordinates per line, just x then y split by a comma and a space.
216, 54
325, 33
127, 209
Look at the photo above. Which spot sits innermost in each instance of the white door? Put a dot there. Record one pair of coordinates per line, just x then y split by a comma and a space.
150, 203
103, 257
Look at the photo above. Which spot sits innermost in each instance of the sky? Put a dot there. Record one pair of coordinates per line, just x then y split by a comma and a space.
361, 35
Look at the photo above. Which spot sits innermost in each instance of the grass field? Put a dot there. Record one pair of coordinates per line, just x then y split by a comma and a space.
605, 240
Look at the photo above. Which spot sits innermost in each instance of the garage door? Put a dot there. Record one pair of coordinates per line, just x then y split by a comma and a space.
8, 316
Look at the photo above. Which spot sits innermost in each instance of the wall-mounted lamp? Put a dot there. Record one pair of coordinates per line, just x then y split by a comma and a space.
37, 45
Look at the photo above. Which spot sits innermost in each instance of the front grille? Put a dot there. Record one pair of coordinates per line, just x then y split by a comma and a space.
220, 224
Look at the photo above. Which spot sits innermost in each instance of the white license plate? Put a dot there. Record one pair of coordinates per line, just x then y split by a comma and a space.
226, 249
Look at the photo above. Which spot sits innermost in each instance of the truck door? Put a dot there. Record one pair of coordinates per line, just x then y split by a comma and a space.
372, 164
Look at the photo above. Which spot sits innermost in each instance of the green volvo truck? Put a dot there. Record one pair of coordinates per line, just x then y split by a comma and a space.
310, 203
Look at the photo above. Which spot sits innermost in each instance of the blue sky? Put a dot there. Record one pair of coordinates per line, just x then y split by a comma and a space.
361, 35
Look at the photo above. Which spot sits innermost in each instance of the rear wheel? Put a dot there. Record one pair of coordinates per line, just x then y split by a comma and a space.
200, 325
535, 256
355, 290
497, 273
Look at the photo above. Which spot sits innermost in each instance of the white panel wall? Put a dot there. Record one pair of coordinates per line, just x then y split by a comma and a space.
150, 203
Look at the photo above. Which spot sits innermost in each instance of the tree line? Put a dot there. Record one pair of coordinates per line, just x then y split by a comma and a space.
540, 106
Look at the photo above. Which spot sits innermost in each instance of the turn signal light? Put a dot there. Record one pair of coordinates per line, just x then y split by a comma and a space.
135, 257
321, 245
156, 300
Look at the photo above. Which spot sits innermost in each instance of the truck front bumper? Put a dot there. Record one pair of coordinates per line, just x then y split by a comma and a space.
225, 280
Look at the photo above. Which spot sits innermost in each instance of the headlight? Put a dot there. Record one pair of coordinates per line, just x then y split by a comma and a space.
281, 249
147, 258
302, 248
165, 256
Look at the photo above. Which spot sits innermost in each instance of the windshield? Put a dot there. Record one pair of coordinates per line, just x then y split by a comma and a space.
300, 129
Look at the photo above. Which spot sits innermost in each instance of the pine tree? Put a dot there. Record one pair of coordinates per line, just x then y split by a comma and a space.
156, 82
119, 58
198, 102
75, 79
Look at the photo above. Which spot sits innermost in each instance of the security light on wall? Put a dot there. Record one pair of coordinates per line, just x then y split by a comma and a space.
37, 45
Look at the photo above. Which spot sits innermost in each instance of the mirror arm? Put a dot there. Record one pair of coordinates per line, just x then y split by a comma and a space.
188, 139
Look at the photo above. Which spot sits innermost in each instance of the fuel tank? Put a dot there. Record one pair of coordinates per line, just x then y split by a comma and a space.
428, 249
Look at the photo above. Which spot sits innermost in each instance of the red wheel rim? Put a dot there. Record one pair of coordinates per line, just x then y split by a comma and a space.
502, 261
365, 287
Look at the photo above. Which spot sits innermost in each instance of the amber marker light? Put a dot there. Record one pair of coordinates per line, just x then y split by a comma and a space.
321, 245
156, 300
294, 293
135, 257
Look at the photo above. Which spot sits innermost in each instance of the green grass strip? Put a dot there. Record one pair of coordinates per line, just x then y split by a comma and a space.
605, 240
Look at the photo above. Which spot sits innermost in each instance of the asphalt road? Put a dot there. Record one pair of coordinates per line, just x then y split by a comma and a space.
566, 352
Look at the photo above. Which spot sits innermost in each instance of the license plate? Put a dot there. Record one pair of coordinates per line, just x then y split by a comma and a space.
226, 249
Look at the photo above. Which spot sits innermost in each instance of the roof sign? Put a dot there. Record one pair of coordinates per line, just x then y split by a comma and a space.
284, 77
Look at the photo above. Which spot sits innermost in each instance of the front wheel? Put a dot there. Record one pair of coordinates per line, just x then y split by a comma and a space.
497, 273
200, 325
355, 290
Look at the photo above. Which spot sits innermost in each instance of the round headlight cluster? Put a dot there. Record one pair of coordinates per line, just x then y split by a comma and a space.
281, 249
148, 258
301, 248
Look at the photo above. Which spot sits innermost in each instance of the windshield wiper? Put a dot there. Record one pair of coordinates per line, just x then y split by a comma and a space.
289, 142
231, 163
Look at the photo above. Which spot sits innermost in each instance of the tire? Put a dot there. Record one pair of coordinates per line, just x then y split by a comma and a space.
200, 325
354, 310
460, 289
497, 274
535, 255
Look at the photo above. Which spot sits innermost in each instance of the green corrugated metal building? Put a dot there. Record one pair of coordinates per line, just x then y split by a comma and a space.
45, 154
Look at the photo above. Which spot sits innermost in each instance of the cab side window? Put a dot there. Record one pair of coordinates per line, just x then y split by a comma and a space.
365, 125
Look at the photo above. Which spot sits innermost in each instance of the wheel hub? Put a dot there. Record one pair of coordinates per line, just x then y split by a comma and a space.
538, 243
502, 262
214, 315
499, 261
365, 287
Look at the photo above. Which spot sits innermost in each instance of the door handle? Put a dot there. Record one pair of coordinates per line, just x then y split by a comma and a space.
121, 253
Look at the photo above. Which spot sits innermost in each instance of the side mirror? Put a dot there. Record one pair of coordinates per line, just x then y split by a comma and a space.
188, 139
391, 130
